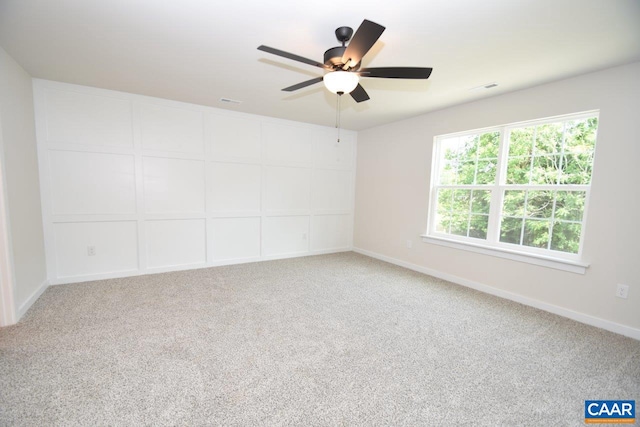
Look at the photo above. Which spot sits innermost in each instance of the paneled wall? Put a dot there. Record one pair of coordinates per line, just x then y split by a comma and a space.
134, 185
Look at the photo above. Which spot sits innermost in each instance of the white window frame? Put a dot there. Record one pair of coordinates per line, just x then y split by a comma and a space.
492, 245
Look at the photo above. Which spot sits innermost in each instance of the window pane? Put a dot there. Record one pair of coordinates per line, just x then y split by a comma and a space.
459, 224
478, 226
481, 201
452, 147
486, 171
546, 169
576, 168
513, 203
570, 205
539, 204
518, 170
510, 230
448, 173
445, 204
468, 148
443, 222
580, 135
461, 200
466, 173
445, 200
548, 139
566, 237
521, 142
488, 145
536, 233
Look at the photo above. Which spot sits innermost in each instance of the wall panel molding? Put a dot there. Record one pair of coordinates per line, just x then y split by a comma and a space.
136, 185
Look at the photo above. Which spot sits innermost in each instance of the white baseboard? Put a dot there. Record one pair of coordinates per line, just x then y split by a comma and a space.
25, 306
156, 270
561, 311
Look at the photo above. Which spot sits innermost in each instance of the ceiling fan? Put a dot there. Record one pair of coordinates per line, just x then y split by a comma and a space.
342, 63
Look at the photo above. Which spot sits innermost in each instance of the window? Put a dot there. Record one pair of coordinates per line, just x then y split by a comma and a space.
522, 187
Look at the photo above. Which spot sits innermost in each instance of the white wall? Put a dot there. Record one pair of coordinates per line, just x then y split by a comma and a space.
155, 185
392, 188
20, 182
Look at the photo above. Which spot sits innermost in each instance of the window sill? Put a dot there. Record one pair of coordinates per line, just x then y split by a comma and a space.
557, 263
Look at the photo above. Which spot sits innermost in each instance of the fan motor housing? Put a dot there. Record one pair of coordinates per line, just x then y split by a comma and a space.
333, 58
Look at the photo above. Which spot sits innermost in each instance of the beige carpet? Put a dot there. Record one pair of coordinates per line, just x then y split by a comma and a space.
328, 340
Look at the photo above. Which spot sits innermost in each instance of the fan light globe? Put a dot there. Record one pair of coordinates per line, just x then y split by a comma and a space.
341, 81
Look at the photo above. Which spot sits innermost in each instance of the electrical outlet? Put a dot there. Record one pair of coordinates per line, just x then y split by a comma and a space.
91, 250
304, 236
409, 244
622, 291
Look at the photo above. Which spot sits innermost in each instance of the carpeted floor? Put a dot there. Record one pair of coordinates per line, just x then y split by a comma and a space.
338, 339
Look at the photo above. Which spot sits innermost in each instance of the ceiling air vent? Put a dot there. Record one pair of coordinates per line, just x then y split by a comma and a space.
483, 87
230, 101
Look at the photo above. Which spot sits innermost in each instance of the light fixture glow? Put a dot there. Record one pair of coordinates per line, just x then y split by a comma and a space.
341, 81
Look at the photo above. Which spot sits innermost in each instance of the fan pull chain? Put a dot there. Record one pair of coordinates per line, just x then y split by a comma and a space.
338, 115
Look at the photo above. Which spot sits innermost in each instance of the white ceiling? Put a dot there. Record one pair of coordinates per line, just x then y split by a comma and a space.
199, 51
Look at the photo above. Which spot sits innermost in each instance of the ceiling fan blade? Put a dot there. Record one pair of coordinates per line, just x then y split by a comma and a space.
291, 56
397, 72
359, 94
365, 37
303, 84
